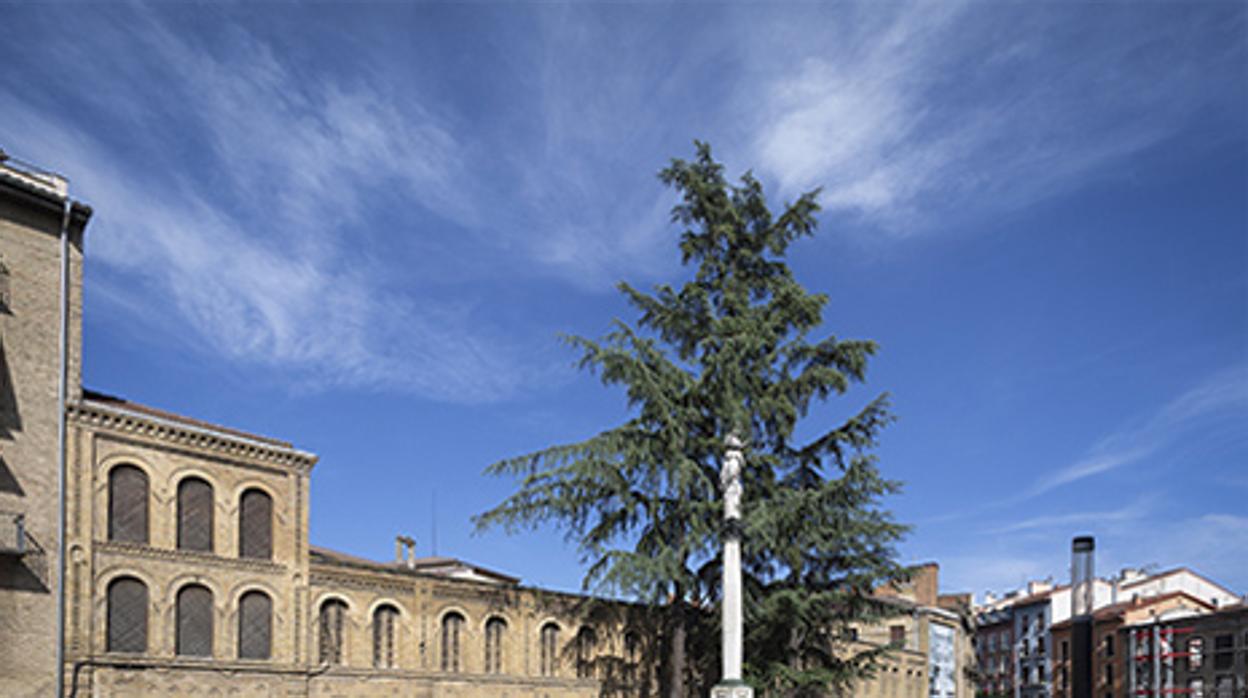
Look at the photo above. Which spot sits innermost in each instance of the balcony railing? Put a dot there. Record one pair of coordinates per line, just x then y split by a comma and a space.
12, 533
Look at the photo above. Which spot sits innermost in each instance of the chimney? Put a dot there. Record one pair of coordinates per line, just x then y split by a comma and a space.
405, 551
1082, 575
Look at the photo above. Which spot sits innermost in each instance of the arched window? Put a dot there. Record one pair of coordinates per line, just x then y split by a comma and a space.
194, 615
255, 626
127, 615
586, 644
194, 515
333, 614
495, 629
255, 525
385, 618
452, 628
127, 504
549, 642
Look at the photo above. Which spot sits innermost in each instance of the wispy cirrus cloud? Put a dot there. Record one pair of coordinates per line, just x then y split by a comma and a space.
923, 111
257, 252
1224, 392
1081, 519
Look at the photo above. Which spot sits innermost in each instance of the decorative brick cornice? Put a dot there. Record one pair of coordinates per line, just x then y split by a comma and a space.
188, 557
362, 582
168, 431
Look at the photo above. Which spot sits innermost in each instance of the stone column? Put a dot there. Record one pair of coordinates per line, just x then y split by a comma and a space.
731, 685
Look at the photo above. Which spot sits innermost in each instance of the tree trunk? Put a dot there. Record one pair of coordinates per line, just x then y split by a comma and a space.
677, 663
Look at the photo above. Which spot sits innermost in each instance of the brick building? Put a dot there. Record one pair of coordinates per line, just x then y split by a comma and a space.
187, 564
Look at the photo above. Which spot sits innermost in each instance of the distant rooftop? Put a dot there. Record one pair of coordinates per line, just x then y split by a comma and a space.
437, 566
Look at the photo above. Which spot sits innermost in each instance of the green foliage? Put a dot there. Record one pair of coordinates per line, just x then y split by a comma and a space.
728, 353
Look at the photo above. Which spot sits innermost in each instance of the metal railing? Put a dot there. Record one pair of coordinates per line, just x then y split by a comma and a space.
12, 533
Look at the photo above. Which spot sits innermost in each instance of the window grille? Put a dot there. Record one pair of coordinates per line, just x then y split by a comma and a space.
127, 504
331, 631
586, 644
255, 626
494, 631
384, 620
550, 649
255, 531
127, 615
194, 612
452, 627
194, 515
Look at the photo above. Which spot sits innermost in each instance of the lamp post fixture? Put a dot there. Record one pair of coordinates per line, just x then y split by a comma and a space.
731, 685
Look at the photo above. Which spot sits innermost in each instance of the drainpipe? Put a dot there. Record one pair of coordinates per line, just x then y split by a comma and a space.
61, 398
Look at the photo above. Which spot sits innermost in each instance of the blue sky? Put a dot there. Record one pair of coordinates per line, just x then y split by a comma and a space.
361, 228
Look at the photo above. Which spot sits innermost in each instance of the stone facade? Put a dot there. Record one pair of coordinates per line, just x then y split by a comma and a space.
31, 215
930, 653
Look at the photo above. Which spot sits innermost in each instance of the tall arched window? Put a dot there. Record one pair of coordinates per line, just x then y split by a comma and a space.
586, 644
255, 525
127, 504
495, 629
549, 641
385, 618
194, 515
127, 615
452, 629
333, 614
255, 626
194, 621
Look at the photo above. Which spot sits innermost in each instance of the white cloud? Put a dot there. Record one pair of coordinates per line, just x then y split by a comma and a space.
1081, 519
1224, 391
918, 111
273, 279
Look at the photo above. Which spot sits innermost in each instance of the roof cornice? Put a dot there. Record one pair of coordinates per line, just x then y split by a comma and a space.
121, 419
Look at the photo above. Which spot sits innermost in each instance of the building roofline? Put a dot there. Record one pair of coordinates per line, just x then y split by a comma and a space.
114, 412
38, 189
421, 566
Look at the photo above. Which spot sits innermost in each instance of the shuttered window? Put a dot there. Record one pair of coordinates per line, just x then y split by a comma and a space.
452, 629
549, 642
194, 515
127, 504
385, 618
495, 629
333, 613
255, 528
255, 626
127, 615
194, 618
586, 644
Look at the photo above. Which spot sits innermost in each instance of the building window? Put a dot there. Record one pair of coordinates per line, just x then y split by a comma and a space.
384, 620
549, 642
1196, 688
452, 628
127, 615
1109, 674
194, 515
1195, 653
194, 621
586, 646
255, 626
1040, 645
897, 635
1224, 686
1062, 679
332, 615
127, 504
1109, 645
1223, 652
255, 525
495, 629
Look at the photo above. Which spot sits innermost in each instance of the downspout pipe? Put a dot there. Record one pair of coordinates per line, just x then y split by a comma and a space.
62, 395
